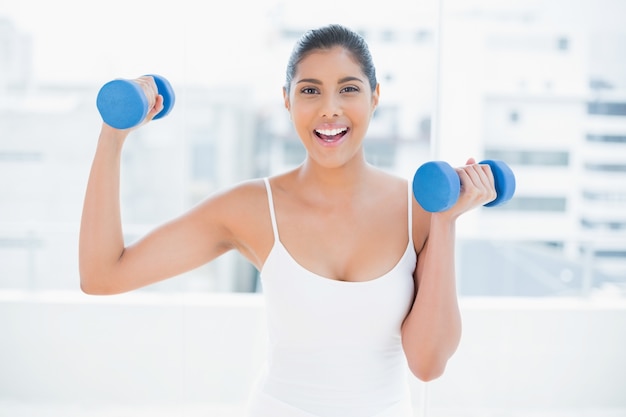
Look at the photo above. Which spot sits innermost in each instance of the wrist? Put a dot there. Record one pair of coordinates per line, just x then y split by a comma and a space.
443, 222
113, 135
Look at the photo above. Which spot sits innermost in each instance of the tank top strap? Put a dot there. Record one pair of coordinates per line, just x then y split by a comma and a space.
410, 212
270, 201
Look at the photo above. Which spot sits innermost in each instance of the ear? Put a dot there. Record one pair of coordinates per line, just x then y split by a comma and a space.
286, 99
375, 97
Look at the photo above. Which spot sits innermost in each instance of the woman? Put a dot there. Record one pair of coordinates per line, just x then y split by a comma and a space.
359, 281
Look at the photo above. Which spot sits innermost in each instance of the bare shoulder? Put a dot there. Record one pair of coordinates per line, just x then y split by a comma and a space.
421, 218
391, 182
243, 194
244, 211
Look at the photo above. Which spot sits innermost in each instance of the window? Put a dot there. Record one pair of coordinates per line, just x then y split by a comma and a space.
610, 253
606, 138
530, 204
603, 224
20, 156
203, 162
381, 153
605, 167
606, 108
604, 196
562, 44
530, 158
294, 152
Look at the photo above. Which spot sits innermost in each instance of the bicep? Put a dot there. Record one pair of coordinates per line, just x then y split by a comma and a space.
180, 245
421, 230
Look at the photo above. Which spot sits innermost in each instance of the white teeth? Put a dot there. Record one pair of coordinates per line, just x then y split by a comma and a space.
331, 132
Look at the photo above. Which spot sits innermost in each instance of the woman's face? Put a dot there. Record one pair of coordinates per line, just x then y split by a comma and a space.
331, 104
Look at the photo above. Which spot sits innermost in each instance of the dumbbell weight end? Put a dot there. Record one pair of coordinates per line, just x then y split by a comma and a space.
504, 181
169, 98
123, 104
436, 185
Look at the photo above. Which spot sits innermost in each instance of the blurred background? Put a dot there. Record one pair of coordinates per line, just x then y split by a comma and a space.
542, 279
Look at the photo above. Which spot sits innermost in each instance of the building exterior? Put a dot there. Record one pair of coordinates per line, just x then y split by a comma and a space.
521, 91
539, 109
517, 91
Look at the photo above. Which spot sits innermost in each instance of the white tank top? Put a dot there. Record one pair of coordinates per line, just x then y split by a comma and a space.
334, 346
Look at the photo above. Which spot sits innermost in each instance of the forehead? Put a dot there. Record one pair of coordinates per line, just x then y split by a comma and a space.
328, 62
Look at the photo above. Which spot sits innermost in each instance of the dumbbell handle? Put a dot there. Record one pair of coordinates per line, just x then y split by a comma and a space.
436, 185
123, 103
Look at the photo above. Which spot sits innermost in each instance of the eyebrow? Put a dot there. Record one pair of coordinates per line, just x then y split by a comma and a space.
341, 81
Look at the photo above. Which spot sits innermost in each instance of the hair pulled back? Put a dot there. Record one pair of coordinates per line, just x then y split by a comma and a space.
325, 38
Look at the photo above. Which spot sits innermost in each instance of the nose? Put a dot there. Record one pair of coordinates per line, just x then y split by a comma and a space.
330, 106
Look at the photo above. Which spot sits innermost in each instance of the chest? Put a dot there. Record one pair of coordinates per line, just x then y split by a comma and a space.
345, 243
306, 309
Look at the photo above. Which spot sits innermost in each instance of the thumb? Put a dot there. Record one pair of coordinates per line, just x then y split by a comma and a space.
470, 161
158, 106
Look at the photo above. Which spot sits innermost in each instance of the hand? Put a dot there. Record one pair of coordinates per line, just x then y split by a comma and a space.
155, 105
477, 187
155, 100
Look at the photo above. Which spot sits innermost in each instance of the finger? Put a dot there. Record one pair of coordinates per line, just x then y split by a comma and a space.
473, 174
488, 173
484, 181
481, 175
156, 109
150, 89
476, 185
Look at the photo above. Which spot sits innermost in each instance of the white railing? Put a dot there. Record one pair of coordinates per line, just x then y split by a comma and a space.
174, 350
190, 354
39, 257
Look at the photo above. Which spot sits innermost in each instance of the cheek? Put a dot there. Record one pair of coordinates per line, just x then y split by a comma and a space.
364, 111
298, 120
300, 113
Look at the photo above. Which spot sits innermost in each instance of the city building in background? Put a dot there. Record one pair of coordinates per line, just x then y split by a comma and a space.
549, 104
490, 86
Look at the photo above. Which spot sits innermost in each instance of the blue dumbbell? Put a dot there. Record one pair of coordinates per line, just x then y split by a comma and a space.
123, 104
436, 185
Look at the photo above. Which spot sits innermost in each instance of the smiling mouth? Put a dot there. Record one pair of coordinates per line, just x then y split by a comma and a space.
331, 135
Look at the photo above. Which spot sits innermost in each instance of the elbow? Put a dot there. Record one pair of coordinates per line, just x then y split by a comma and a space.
428, 370
95, 284
89, 288
428, 364
99, 279
89, 281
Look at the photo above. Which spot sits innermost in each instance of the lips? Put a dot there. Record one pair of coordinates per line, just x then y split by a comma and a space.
331, 135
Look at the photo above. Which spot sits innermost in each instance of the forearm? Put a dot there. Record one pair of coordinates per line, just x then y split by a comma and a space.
432, 330
101, 241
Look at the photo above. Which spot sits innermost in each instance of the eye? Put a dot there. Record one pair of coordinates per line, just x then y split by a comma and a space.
309, 90
350, 89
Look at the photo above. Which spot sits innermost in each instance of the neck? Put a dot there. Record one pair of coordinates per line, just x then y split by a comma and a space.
343, 180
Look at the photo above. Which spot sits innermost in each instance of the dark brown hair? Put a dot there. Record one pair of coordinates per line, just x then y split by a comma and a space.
328, 37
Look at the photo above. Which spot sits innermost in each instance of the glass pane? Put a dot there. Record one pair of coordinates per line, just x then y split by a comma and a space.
541, 279
544, 93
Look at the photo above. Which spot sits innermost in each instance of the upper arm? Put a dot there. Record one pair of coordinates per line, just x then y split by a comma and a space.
421, 229
198, 236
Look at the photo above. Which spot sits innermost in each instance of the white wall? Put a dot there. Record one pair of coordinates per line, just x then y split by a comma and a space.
168, 352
